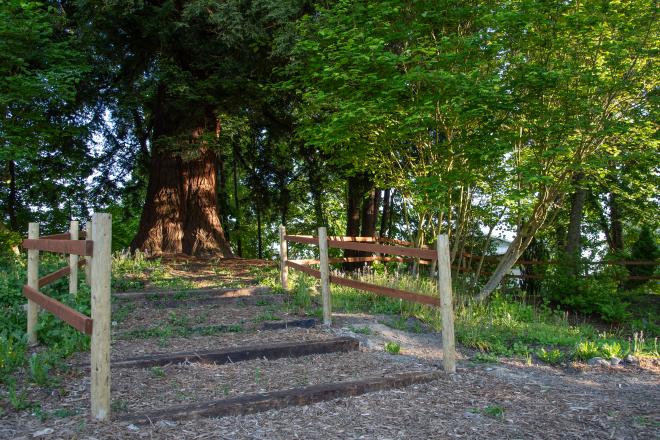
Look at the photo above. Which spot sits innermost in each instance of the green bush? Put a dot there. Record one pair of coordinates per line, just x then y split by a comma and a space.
644, 249
595, 294
393, 347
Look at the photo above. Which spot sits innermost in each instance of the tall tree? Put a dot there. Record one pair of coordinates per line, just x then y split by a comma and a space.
189, 62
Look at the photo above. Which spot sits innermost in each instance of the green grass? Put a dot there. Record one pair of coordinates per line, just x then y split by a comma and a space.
393, 347
502, 326
552, 357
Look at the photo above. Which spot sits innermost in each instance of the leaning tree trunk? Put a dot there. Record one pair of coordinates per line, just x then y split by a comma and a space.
180, 212
547, 199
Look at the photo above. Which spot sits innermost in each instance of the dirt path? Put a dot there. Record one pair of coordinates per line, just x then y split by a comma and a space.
505, 400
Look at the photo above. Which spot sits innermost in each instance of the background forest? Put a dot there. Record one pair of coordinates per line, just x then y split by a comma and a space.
203, 125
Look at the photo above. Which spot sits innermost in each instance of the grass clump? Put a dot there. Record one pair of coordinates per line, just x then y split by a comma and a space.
552, 357
393, 347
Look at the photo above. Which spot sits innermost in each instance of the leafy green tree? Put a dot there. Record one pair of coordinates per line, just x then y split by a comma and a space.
43, 154
172, 69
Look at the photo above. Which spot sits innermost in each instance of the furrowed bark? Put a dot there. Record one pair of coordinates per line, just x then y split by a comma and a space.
180, 212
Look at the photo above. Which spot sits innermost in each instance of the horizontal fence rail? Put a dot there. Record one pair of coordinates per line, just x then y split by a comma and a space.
58, 274
373, 245
74, 318
360, 285
76, 247
425, 256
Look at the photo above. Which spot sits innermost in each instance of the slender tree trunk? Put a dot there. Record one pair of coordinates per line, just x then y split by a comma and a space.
315, 185
616, 225
237, 207
574, 235
391, 220
259, 243
602, 220
385, 219
547, 199
370, 213
12, 199
357, 187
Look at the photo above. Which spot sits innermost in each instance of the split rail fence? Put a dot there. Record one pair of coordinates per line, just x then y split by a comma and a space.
369, 244
95, 246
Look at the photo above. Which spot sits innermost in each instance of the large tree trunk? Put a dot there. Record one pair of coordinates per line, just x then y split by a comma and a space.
180, 212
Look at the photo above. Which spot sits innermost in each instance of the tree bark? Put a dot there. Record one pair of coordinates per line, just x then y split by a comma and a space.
259, 243
180, 212
237, 208
12, 199
358, 185
385, 219
616, 225
370, 213
574, 234
315, 181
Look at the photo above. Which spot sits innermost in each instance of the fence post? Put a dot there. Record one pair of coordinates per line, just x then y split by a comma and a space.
88, 259
32, 281
446, 305
325, 276
73, 261
101, 266
284, 270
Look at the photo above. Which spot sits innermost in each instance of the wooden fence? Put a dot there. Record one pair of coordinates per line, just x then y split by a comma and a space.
369, 244
96, 248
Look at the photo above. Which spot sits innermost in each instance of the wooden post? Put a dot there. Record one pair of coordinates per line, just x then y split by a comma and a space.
88, 266
284, 270
325, 276
100, 357
32, 281
446, 305
73, 261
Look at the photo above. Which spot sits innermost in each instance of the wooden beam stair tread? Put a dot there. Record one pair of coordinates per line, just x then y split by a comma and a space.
237, 354
260, 402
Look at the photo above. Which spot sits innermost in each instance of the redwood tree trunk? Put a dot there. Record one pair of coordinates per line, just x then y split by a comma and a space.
180, 212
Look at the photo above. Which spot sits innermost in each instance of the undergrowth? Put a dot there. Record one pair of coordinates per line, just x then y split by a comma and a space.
503, 326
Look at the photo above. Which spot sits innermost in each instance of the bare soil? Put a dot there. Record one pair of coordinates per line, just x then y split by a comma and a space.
509, 399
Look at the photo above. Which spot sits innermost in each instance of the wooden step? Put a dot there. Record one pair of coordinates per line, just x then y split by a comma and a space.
237, 354
254, 403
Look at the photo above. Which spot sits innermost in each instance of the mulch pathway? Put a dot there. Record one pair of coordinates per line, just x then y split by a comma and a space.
505, 400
